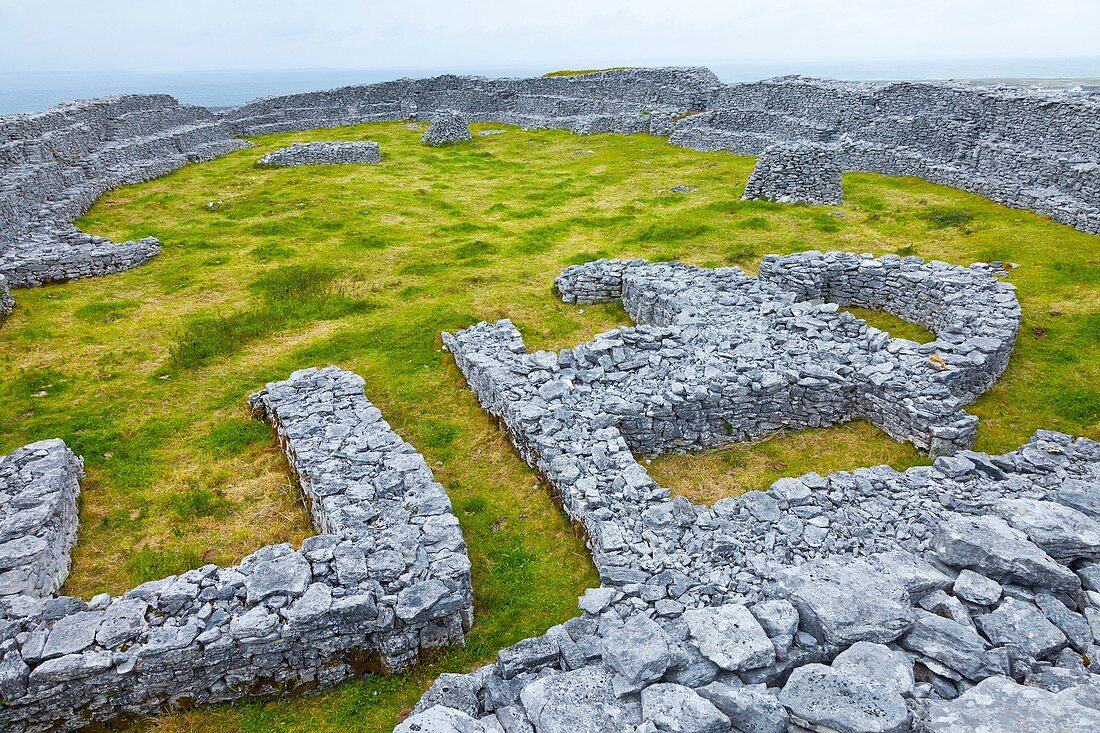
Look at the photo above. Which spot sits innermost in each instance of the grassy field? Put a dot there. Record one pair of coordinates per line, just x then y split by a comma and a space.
265, 271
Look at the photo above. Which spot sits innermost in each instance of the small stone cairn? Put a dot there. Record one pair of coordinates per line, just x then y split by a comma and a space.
448, 126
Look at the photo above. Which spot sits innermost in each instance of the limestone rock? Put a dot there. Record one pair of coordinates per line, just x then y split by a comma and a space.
819, 697
999, 705
990, 546
842, 602
679, 709
581, 701
730, 636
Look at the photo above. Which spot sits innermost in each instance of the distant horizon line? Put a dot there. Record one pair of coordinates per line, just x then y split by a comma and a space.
577, 65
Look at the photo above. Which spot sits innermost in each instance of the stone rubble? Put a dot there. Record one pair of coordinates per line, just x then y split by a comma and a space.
448, 126
796, 172
55, 164
387, 576
324, 153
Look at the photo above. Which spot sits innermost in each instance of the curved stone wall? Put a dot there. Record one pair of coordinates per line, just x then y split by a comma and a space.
387, 576
1032, 150
1027, 149
720, 357
55, 164
796, 173
627, 101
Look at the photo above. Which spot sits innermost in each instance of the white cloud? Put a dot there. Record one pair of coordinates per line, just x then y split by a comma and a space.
172, 35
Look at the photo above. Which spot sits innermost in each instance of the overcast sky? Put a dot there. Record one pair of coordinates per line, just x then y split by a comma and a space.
187, 35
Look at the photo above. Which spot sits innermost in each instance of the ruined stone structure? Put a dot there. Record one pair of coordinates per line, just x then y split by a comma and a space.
796, 173
1029, 149
448, 126
324, 153
869, 601
386, 576
1034, 150
55, 164
720, 357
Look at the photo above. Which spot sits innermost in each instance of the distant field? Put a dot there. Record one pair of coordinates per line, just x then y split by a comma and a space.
265, 271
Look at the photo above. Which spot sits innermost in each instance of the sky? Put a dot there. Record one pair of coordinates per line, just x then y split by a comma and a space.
191, 35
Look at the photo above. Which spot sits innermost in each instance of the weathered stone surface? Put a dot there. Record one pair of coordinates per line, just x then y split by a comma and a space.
440, 719
954, 645
749, 710
819, 697
639, 651
999, 705
989, 545
448, 126
730, 636
581, 701
877, 663
679, 709
975, 588
796, 172
39, 485
1023, 626
324, 153
1063, 533
842, 602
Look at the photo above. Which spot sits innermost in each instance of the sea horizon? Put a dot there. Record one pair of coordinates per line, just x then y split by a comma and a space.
32, 91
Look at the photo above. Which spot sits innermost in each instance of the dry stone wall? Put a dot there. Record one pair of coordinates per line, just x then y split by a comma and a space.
626, 101
871, 601
39, 484
387, 576
720, 357
796, 173
1028, 149
7, 302
55, 164
324, 153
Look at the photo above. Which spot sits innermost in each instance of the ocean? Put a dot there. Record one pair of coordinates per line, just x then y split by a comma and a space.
33, 91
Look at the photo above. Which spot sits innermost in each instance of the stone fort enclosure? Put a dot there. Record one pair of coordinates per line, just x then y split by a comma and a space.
873, 600
386, 576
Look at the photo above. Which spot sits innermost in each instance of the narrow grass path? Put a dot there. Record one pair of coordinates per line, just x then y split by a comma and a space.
265, 271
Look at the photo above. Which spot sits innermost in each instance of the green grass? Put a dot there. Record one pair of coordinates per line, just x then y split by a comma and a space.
583, 72
146, 373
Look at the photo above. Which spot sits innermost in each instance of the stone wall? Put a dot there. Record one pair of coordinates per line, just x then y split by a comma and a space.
869, 600
55, 164
324, 153
387, 577
796, 173
7, 302
39, 484
626, 101
1027, 149
720, 357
